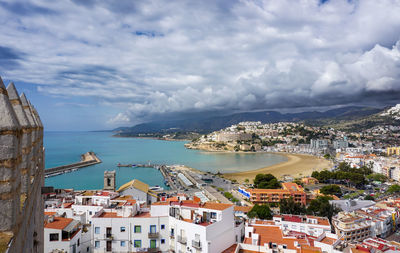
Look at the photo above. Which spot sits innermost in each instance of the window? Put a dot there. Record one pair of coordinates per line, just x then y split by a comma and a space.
153, 244
162, 241
162, 226
79, 242
137, 243
97, 230
123, 243
122, 229
97, 244
138, 229
87, 249
53, 237
90, 212
213, 215
153, 229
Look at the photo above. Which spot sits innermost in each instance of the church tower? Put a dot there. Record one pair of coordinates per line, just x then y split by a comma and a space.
109, 180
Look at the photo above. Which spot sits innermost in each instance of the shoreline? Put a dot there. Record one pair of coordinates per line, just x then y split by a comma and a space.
150, 138
297, 165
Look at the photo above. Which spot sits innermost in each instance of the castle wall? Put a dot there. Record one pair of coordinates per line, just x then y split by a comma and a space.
21, 172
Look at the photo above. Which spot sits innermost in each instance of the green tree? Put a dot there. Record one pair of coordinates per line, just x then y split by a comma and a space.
321, 207
331, 189
266, 181
395, 188
261, 212
377, 177
289, 206
369, 197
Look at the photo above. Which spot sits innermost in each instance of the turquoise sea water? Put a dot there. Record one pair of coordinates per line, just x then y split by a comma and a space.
66, 147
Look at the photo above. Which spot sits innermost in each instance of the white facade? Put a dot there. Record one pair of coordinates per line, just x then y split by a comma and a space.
309, 225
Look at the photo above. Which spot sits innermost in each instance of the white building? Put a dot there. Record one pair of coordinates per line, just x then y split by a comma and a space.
62, 234
310, 225
139, 191
180, 226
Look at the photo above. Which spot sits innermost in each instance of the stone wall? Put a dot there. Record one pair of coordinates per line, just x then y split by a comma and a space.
21, 173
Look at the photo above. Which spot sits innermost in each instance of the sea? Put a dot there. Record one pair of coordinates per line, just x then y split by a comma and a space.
63, 148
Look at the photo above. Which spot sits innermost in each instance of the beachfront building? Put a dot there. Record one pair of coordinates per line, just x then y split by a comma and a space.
21, 173
268, 196
139, 190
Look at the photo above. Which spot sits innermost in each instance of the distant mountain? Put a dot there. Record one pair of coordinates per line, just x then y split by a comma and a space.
204, 125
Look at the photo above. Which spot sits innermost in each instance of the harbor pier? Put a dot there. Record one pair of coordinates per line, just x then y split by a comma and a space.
87, 159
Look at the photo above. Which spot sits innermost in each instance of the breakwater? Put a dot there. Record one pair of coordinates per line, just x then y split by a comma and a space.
87, 159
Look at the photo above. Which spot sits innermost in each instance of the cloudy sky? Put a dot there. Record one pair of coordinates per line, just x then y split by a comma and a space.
99, 64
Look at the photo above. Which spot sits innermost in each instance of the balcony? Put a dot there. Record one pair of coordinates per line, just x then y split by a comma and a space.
153, 249
172, 236
109, 236
154, 235
182, 239
196, 244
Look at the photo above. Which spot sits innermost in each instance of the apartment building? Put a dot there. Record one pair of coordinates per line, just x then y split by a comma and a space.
271, 238
268, 196
173, 225
351, 227
375, 221
393, 151
203, 227
310, 225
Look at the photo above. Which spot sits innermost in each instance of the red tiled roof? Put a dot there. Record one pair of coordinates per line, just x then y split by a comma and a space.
58, 223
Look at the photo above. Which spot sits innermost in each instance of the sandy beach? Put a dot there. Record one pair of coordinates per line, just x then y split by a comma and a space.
296, 166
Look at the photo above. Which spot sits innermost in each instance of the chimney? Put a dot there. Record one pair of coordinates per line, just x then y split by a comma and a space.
10, 157
26, 139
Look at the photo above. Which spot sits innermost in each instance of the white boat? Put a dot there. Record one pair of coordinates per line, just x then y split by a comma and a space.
156, 188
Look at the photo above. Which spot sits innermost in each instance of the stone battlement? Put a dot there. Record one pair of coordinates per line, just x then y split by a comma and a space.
21, 173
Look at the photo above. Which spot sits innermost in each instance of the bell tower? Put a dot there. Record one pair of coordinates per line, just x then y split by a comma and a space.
109, 180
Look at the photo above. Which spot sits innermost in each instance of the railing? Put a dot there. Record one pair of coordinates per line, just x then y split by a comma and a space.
153, 249
196, 244
172, 236
109, 236
182, 239
154, 235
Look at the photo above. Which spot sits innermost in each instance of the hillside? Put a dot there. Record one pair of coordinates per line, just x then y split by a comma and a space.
346, 117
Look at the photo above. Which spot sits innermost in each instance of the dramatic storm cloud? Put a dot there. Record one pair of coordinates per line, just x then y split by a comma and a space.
143, 59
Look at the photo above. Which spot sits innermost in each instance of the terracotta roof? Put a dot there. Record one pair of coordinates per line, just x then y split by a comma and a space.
231, 249
244, 209
50, 213
160, 203
109, 215
59, 223
216, 206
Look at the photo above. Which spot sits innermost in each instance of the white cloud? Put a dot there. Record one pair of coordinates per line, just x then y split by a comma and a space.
165, 57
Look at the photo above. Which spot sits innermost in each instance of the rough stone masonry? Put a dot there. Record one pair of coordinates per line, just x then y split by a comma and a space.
21, 173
